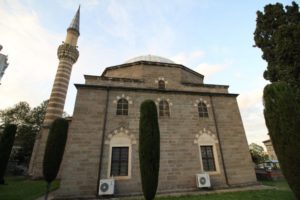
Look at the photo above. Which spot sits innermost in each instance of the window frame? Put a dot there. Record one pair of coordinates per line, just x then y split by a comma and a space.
215, 156
207, 158
163, 108
120, 140
119, 161
120, 111
161, 84
202, 110
206, 138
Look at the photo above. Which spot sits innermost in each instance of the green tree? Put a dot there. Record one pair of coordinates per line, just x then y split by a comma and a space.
277, 34
54, 150
29, 122
38, 115
149, 148
257, 153
6, 143
19, 114
282, 115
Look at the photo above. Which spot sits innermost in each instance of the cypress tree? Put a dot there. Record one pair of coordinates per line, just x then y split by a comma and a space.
54, 150
282, 115
149, 148
6, 144
277, 34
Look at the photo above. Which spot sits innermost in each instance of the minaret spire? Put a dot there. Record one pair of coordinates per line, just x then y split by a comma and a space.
67, 54
75, 22
73, 30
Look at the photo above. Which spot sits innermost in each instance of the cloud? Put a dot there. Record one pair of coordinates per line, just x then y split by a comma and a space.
238, 75
31, 53
188, 58
208, 69
250, 104
197, 54
254, 124
251, 98
120, 24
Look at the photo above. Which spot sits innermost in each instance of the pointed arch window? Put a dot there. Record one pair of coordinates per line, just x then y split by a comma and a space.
122, 107
202, 109
164, 109
161, 84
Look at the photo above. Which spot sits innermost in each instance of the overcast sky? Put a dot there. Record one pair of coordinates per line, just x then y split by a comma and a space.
212, 37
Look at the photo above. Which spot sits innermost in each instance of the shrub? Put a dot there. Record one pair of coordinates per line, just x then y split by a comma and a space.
282, 115
149, 148
6, 144
54, 149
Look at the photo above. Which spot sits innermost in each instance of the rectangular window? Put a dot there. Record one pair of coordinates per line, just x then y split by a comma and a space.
208, 161
119, 161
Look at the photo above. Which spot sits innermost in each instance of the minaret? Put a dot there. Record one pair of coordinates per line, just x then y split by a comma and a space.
67, 54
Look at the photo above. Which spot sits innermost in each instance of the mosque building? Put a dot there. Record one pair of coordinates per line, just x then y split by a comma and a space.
201, 129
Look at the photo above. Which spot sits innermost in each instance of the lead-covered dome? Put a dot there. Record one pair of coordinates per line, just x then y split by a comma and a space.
150, 58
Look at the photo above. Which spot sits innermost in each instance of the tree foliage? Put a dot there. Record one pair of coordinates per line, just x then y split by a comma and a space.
29, 122
277, 34
257, 153
149, 148
54, 151
55, 148
282, 115
19, 114
6, 143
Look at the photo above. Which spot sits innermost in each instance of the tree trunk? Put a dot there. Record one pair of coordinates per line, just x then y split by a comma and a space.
47, 190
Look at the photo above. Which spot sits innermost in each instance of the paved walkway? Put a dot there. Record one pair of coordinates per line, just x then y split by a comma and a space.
237, 189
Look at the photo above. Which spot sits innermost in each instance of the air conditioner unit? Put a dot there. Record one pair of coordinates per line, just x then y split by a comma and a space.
203, 180
107, 187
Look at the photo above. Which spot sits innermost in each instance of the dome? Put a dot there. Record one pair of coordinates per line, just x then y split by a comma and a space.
150, 58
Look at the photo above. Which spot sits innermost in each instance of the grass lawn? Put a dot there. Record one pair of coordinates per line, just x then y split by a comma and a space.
281, 192
246, 195
20, 188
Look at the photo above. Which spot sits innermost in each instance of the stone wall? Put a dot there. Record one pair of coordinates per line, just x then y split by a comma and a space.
237, 158
181, 133
135, 71
190, 78
82, 154
180, 155
147, 76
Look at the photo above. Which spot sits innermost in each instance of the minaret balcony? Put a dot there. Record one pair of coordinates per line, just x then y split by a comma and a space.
67, 51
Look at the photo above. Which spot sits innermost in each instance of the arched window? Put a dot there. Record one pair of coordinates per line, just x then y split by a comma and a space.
208, 152
202, 109
164, 108
161, 84
122, 107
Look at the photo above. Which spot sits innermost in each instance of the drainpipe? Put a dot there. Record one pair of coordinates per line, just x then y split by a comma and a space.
102, 142
218, 136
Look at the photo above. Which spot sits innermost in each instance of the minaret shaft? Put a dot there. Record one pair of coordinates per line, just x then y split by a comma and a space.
72, 37
67, 54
